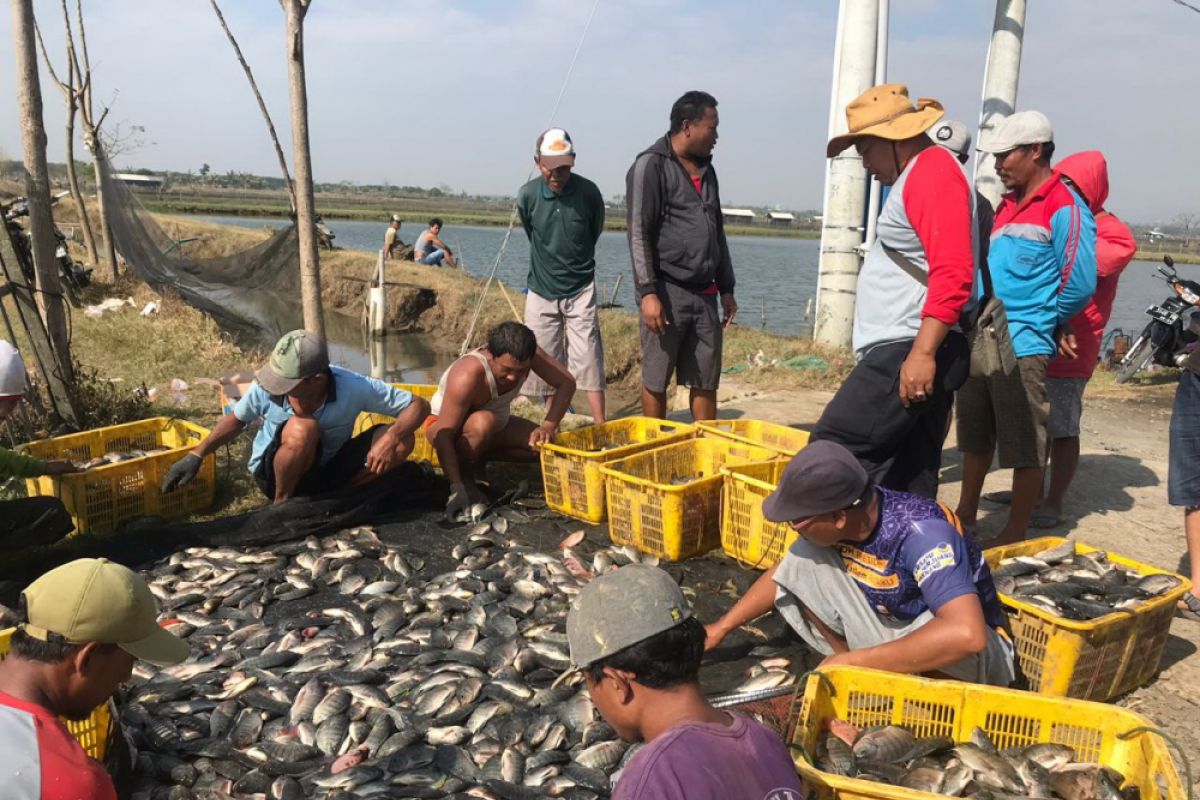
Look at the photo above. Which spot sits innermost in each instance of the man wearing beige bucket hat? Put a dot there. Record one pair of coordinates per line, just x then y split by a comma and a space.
914, 283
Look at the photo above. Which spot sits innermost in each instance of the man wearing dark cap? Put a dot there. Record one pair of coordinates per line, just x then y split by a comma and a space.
84, 625
308, 409
642, 673
877, 578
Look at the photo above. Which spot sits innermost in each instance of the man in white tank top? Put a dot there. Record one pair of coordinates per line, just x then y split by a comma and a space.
471, 424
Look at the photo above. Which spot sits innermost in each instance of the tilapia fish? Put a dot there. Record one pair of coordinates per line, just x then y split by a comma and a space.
1075, 585
337, 668
975, 768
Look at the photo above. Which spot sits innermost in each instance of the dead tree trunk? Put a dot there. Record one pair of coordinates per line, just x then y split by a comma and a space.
91, 132
306, 225
262, 106
37, 184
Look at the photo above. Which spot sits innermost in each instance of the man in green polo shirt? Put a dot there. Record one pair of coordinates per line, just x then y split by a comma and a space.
563, 216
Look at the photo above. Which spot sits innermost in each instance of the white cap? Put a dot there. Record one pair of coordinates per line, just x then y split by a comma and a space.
12, 371
555, 149
1021, 128
396, 218
954, 136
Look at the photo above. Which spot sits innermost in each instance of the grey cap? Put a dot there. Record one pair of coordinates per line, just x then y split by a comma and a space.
954, 136
297, 355
822, 478
622, 608
1015, 130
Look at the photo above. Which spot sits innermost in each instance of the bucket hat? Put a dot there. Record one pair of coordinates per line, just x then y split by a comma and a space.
887, 112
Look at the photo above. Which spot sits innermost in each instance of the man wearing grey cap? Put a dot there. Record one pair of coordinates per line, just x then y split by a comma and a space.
634, 637
955, 137
877, 578
1042, 266
308, 409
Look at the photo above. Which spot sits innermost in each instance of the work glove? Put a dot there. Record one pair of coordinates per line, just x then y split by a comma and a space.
181, 472
459, 503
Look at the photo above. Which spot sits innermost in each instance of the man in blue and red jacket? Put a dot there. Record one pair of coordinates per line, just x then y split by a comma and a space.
1042, 261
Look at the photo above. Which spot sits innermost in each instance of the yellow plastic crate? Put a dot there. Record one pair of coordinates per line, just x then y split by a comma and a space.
100, 499
786, 440
91, 733
1096, 659
422, 449
745, 533
571, 464
1099, 733
649, 512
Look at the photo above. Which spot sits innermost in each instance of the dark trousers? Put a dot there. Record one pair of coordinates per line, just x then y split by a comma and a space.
900, 448
33, 521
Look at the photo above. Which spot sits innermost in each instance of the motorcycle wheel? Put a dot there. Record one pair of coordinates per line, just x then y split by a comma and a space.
1138, 357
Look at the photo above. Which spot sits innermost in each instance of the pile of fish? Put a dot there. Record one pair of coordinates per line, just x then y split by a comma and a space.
975, 769
117, 457
1078, 586
337, 668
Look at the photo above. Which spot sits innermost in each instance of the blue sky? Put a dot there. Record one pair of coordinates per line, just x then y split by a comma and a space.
455, 93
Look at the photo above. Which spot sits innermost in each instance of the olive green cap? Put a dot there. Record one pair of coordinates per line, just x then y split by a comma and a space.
95, 600
296, 356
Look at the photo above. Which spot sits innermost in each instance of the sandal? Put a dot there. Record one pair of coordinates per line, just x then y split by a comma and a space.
1189, 605
1043, 520
999, 498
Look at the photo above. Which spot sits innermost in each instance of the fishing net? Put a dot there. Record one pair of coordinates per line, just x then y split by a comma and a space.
253, 289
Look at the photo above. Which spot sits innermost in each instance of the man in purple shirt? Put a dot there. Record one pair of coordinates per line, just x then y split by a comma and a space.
633, 635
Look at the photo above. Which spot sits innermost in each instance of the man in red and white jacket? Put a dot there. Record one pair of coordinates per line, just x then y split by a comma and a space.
892, 411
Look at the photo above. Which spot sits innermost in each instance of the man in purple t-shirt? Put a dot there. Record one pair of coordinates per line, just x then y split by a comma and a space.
877, 578
633, 635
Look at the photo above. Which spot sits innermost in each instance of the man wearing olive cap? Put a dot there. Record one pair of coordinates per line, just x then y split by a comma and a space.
308, 409
83, 626
877, 578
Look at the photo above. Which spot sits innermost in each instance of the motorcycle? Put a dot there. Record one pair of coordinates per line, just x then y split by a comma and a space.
74, 277
1166, 338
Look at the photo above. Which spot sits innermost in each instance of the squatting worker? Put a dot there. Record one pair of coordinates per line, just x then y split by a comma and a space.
877, 578
642, 673
391, 239
308, 408
1042, 262
912, 288
563, 216
428, 249
472, 424
83, 626
680, 259
26, 521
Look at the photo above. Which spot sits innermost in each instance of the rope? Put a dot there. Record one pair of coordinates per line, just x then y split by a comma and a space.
512, 219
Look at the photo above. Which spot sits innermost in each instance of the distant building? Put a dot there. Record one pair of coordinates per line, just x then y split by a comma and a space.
743, 216
136, 180
781, 219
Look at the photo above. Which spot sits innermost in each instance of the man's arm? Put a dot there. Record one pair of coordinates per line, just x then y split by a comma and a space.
1073, 231
383, 456
436, 242
598, 212
225, 431
643, 215
389, 240
758, 600
523, 212
563, 383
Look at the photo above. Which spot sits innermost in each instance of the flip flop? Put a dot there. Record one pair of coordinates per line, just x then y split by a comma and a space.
1190, 607
999, 498
1041, 521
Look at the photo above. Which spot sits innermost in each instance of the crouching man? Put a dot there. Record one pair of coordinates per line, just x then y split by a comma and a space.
472, 423
877, 578
633, 635
308, 409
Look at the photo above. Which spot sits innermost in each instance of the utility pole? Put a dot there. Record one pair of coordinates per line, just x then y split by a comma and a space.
1000, 80
846, 185
306, 223
37, 185
881, 50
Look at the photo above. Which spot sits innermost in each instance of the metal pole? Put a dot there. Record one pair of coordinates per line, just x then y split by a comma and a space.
1000, 80
846, 187
881, 51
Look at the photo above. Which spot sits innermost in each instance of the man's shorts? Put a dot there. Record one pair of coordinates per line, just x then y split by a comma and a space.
320, 478
1183, 474
1066, 406
433, 259
1008, 413
575, 320
690, 348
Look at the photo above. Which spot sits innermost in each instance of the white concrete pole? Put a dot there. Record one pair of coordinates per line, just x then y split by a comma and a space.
846, 186
881, 51
1000, 80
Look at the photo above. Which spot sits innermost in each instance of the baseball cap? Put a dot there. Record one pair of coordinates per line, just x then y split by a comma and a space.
600, 622
555, 148
822, 478
1015, 130
954, 136
95, 600
297, 355
396, 218
12, 371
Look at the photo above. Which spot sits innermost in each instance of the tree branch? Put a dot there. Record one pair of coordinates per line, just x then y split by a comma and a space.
46, 58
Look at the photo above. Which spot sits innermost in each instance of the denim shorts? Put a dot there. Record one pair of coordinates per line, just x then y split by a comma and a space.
1183, 477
